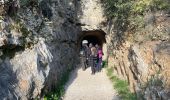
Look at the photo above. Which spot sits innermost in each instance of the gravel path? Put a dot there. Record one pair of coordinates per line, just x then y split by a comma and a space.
84, 86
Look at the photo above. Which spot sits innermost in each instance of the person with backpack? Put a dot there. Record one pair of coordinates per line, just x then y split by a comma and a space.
99, 57
93, 59
85, 54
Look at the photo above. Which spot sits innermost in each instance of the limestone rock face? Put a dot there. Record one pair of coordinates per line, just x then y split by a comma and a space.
38, 43
23, 76
91, 15
145, 61
145, 66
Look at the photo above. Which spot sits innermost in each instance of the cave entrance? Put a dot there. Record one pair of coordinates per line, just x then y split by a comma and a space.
94, 37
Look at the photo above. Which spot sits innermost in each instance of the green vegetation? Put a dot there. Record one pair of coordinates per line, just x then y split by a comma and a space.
142, 6
104, 64
128, 15
129, 9
24, 31
121, 86
19, 27
57, 93
154, 81
117, 8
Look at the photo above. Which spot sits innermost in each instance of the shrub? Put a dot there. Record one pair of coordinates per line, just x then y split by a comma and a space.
115, 8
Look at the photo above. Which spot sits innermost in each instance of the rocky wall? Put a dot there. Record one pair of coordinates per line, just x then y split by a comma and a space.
144, 62
38, 43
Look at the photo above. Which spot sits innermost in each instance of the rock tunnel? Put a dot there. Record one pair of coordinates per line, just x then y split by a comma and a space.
94, 37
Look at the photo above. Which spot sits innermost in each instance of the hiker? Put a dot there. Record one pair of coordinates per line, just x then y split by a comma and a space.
99, 57
89, 53
97, 47
85, 54
93, 58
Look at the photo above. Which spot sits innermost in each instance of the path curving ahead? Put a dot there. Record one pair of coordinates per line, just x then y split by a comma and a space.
84, 86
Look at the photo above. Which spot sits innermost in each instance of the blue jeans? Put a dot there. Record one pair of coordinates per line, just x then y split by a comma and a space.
99, 64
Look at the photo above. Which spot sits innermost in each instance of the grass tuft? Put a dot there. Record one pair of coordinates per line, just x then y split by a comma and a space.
121, 86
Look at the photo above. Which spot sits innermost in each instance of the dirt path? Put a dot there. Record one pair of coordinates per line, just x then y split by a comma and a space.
84, 86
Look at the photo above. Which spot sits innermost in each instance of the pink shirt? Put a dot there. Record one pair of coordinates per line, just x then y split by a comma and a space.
100, 53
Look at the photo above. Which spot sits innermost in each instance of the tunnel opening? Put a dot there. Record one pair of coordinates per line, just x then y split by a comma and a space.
94, 37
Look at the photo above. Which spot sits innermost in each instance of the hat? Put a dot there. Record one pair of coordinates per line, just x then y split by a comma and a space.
84, 42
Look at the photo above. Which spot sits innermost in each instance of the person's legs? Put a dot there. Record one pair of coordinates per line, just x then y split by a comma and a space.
93, 66
87, 63
93, 70
84, 64
96, 64
97, 67
100, 64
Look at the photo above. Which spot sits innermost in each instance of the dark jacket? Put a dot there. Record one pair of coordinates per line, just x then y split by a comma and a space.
93, 57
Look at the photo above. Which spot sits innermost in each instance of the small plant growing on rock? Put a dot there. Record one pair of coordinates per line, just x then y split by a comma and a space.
24, 31
153, 88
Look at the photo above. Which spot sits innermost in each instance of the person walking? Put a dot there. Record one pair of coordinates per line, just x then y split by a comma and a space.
97, 47
93, 59
85, 54
99, 57
89, 53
